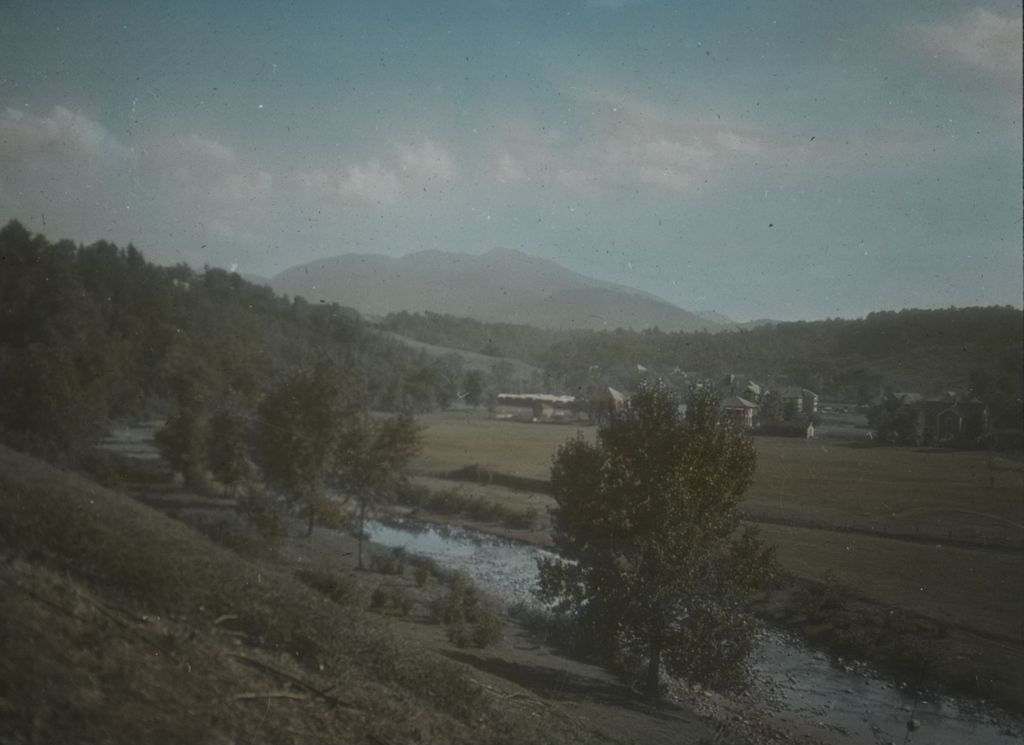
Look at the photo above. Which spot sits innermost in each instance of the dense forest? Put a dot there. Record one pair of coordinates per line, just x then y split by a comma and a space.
976, 350
92, 334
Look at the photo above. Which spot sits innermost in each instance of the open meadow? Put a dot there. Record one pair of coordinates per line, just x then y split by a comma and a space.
809, 494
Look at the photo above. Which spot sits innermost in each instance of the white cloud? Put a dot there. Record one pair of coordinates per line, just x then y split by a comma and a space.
630, 145
415, 167
209, 171
220, 229
633, 145
979, 39
241, 188
426, 161
65, 166
371, 182
62, 135
202, 150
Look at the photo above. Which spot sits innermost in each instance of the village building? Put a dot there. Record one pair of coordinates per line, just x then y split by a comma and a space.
607, 402
946, 419
537, 407
753, 391
740, 412
798, 401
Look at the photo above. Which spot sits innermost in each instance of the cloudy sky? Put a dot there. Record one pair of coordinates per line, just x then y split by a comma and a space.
762, 159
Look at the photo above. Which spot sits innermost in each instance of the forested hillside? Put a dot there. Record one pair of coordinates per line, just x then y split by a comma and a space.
93, 333
926, 351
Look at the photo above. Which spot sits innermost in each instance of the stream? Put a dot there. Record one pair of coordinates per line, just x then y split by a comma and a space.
794, 684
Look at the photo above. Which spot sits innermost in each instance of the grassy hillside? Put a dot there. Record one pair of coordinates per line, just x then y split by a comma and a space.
123, 625
95, 555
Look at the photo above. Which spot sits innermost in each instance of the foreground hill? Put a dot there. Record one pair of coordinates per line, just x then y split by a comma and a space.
501, 285
107, 640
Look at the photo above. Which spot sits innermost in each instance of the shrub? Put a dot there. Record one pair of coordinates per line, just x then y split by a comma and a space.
264, 514
331, 515
467, 616
392, 563
337, 587
391, 600
824, 601
421, 574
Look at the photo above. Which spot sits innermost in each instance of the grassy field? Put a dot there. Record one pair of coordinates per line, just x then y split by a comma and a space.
454, 439
978, 590
834, 481
900, 490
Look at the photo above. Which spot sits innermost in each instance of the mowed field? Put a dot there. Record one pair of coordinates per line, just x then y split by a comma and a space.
831, 482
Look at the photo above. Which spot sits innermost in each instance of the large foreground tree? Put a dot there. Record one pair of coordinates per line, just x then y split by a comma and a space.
654, 565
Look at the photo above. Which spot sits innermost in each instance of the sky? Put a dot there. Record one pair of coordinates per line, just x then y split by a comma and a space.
786, 160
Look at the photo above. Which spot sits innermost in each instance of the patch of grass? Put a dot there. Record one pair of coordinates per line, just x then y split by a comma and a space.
452, 441
391, 600
393, 562
448, 501
824, 601
337, 587
132, 551
973, 588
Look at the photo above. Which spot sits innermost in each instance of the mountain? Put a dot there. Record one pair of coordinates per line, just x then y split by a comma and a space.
503, 285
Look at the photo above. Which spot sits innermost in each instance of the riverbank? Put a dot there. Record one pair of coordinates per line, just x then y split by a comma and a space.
796, 695
916, 651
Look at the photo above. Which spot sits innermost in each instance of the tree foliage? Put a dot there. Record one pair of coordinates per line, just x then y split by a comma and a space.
313, 434
297, 431
897, 421
653, 564
91, 334
369, 459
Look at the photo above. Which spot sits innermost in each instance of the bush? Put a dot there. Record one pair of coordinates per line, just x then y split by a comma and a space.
469, 619
823, 602
421, 574
456, 502
391, 600
331, 515
392, 563
338, 588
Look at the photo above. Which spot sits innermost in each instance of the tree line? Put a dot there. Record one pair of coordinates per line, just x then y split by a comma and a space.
925, 351
94, 334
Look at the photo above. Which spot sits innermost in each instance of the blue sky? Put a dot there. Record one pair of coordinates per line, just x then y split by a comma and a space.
785, 160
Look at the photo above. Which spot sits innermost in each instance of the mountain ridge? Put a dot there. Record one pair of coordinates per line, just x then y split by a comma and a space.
501, 284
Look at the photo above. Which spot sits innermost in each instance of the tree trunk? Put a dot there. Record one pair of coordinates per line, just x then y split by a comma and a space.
652, 692
312, 515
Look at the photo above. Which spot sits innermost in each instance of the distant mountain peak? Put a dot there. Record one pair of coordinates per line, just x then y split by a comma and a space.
501, 284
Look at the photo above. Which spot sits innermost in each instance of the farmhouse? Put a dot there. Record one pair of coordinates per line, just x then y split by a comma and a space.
606, 402
753, 391
537, 407
740, 412
946, 419
797, 400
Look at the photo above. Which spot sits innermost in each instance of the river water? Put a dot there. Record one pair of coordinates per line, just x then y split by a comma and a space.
847, 704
